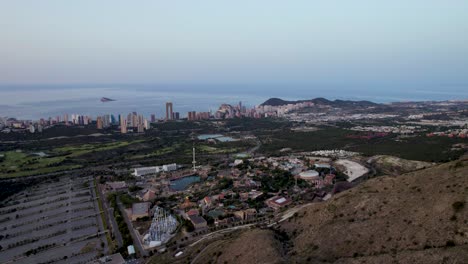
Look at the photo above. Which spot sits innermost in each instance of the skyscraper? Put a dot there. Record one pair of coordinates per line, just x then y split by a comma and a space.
123, 125
99, 123
153, 118
65, 118
191, 115
169, 112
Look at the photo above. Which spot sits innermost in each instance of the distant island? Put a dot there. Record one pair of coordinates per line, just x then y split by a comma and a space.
105, 99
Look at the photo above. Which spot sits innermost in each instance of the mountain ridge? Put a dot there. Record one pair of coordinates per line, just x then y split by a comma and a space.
319, 101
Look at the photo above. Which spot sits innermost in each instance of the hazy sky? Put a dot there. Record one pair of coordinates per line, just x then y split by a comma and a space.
410, 43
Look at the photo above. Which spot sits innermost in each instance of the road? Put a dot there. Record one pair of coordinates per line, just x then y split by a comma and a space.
110, 219
222, 231
94, 192
254, 149
136, 239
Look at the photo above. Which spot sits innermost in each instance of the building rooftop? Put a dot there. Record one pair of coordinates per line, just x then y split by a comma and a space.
280, 200
197, 219
131, 250
140, 208
309, 174
117, 185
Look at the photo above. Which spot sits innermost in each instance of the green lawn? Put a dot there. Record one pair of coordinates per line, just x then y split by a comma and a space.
16, 164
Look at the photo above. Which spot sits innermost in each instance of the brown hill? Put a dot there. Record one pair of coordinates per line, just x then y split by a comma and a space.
419, 217
390, 165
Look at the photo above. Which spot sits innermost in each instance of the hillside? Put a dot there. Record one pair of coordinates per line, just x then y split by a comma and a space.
390, 165
419, 217
321, 101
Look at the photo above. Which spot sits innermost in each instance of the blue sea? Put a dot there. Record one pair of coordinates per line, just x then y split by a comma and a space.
42, 101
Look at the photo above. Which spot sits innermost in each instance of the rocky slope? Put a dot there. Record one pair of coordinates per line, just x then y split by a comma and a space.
390, 165
419, 217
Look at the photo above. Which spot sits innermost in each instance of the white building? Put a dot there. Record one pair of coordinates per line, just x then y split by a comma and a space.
155, 169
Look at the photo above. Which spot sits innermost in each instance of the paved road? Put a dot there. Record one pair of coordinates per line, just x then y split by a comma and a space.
254, 149
136, 239
99, 219
222, 231
110, 219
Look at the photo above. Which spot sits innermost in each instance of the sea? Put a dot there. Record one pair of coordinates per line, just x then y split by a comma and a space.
32, 102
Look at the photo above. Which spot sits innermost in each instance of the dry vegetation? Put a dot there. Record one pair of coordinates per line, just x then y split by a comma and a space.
419, 217
390, 165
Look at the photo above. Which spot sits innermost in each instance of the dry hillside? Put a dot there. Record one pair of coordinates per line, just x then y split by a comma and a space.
390, 165
419, 217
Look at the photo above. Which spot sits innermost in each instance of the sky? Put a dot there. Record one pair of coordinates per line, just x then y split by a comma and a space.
377, 44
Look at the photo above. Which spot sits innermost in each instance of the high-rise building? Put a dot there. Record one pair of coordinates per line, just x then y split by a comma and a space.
191, 115
153, 118
202, 115
129, 120
99, 123
135, 120
140, 128
169, 111
176, 116
123, 125
106, 121
112, 120
65, 119
141, 120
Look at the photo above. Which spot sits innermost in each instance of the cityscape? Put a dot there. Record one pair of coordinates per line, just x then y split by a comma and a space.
145, 190
234, 132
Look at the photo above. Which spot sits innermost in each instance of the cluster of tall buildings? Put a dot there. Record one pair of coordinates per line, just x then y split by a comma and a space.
133, 121
227, 111
281, 110
192, 115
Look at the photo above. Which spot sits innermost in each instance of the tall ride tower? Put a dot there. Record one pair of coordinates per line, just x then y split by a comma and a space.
194, 162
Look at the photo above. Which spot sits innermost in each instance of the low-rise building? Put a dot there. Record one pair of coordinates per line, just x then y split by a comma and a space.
247, 214
140, 210
155, 169
278, 202
149, 195
116, 186
198, 222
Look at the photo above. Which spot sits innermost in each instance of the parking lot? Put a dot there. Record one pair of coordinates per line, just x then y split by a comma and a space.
54, 222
